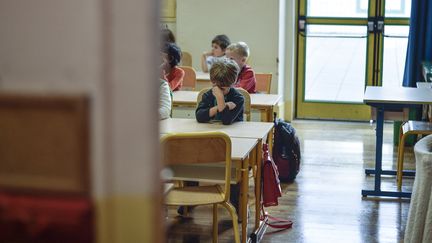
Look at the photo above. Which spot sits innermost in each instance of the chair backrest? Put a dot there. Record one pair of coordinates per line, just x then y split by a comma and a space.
198, 147
186, 59
189, 80
247, 101
263, 82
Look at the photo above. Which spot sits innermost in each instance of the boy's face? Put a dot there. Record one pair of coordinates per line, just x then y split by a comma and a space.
241, 61
217, 50
225, 90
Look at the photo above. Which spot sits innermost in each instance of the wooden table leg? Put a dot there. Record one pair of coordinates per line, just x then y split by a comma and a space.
258, 185
244, 199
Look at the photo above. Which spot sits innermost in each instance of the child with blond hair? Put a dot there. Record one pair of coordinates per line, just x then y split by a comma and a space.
239, 52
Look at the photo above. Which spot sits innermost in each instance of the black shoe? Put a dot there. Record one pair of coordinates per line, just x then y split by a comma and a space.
181, 210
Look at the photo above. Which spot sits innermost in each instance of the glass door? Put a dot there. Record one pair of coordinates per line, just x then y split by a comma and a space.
395, 41
340, 51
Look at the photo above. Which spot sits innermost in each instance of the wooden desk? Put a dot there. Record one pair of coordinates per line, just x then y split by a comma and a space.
263, 102
251, 130
257, 130
203, 80
387, 99
202, 76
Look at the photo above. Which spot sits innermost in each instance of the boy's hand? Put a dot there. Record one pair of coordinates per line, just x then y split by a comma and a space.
231, 105
207, 54
217, 92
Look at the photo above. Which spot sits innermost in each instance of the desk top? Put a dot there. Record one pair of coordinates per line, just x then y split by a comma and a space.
257, 100
400, 95
254, 130
202, 76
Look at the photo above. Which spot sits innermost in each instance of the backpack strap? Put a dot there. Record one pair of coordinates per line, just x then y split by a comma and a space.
278, 223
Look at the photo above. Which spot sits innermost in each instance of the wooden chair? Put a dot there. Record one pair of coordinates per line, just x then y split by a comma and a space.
44, 143
45, 164
201, 148
409, 128
247, 101
186, 59
189, 80
263, 82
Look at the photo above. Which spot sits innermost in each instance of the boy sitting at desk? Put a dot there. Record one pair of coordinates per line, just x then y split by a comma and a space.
222, 102
239, 52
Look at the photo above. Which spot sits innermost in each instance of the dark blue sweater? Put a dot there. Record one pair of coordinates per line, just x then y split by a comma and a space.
226, 116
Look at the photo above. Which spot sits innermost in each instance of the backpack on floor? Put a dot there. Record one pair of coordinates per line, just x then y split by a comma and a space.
271, 189
286, 150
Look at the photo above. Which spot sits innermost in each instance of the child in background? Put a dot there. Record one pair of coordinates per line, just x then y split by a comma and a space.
167, 36
171, 55
222, 102
239, 52
164, 100
219, 44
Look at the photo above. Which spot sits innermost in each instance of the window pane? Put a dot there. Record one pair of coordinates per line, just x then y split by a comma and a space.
395, 46
398, 8
335, 30
337, 8
335, 67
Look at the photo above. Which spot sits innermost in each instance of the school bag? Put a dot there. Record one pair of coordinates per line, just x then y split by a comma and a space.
270, 193
270, 180
286, 150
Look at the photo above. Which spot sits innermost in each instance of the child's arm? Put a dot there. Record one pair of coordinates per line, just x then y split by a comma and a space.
165, 100
204, 66
229, 116
177, 81
247, 81
206, 110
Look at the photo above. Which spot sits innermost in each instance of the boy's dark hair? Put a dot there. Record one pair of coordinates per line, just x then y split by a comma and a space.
173, 52
167, 36
221, 40
224, 73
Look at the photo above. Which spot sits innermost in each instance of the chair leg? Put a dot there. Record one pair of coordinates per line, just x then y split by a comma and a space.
234, 217
215, 223
401, 150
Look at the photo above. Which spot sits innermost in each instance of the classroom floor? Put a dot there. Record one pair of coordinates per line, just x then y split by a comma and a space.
325, 200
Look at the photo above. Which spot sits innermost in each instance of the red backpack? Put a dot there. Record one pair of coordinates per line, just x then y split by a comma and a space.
270, 176
271, 191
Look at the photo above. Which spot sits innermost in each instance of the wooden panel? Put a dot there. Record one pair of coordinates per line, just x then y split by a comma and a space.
168, 11
44, 143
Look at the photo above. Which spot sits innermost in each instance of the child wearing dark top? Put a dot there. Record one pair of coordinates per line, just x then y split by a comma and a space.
222, 102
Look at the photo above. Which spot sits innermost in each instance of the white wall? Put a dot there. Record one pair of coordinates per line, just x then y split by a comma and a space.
252, 21
107, 49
